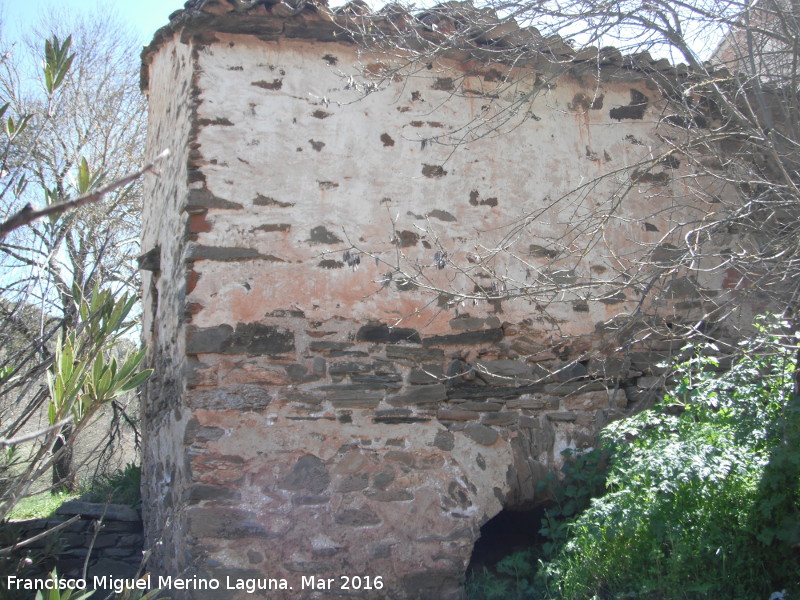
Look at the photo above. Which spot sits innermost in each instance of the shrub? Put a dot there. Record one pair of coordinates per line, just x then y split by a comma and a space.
703, 503
122, 486
513, 578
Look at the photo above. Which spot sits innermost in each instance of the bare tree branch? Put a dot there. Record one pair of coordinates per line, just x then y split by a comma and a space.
28, 215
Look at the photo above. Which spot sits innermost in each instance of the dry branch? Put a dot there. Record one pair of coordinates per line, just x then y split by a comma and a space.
28, 215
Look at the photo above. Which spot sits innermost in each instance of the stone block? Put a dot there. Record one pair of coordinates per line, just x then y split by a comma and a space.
426, 375
415, 354
480, 392
122, 526
476, 406
202, 199
506, 368
650, 382
351, 483
201, 492
345, 368
652, 363
481, 434
325, 346
227, 254
509, 372
310, 500
401, 420
564, 416
588, 401
242, 397
500, 419
571, 371
379, 381
609, 368
533, 402
92, 510
390, 495
421, 394
383, 334
382, 479
309, 474
224, 523
357, 517
247, 338
444, 440
466, 323
353, 396
194, 433
456, 414
105, 540
468, 338
404, 458
573, 387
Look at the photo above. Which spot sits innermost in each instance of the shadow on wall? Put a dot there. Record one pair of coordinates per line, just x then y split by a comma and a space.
509, 531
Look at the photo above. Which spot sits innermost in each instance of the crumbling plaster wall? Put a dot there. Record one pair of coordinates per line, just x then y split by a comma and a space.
164, 222
307, 419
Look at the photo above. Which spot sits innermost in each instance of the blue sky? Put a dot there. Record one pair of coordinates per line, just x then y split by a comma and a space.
144, 15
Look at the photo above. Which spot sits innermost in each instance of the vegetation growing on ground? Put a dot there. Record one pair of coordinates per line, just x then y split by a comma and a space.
68, 300
120, 487
701, 498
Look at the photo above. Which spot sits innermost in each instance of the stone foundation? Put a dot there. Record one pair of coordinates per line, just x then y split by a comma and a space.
106, 539
356, 363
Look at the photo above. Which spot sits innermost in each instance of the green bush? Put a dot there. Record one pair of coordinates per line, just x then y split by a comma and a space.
512, 578
120, 487
584, 477
703, 499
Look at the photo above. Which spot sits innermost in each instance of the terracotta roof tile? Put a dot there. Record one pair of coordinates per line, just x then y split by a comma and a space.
472, 32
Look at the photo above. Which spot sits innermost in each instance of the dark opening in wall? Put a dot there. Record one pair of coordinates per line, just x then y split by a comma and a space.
508, 532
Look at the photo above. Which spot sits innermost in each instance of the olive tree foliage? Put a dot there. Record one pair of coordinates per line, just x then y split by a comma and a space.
726, 110
73, 127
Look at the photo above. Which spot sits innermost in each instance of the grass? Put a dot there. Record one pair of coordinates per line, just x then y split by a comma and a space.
39, 506
119, 487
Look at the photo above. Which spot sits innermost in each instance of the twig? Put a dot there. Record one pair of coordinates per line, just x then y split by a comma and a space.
27, 542
31, 436
98, 525
28, 215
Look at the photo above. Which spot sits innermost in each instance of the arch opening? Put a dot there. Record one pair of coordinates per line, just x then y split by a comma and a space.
509, 531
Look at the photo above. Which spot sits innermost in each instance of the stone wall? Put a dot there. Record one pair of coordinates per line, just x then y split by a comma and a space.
110, 536
367, 341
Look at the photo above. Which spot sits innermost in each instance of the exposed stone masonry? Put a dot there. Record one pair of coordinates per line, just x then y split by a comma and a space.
331, 396
106, 539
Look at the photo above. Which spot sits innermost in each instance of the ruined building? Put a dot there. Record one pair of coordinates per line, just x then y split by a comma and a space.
381, 299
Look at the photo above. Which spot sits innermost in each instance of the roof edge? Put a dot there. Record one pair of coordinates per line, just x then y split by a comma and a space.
478, 34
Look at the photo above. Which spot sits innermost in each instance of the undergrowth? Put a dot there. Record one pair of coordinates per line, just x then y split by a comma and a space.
119, 487
700, 498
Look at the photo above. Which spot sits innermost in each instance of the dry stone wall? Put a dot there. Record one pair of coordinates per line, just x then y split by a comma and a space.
331, 396
105, 539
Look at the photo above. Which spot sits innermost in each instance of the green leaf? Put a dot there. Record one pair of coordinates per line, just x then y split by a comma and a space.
20, 185
136, 380
58, 62
84, 176
97, 369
